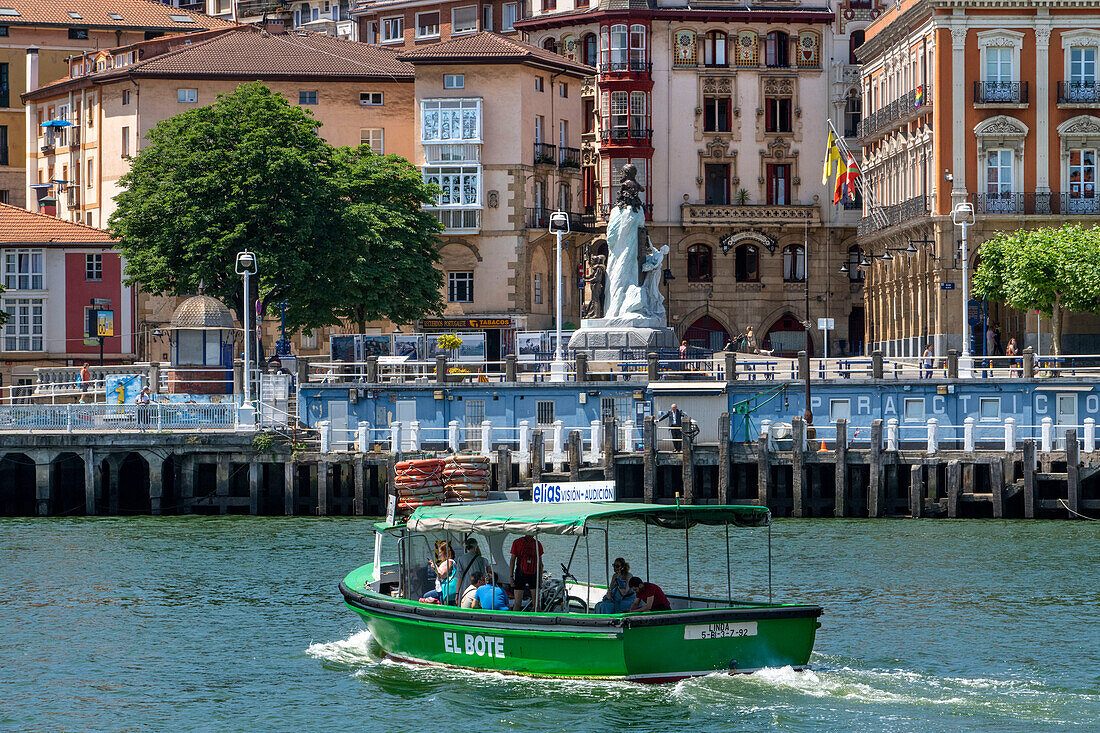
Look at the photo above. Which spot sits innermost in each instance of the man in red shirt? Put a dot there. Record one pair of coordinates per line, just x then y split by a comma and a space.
648, 597
526, 567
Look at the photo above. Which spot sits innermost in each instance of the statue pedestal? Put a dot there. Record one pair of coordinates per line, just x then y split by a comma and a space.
602, 338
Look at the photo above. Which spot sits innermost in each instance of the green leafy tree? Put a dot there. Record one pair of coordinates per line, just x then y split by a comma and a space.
1051, 270
334, 229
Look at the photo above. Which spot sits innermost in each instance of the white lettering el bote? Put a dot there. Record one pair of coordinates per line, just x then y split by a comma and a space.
474, 645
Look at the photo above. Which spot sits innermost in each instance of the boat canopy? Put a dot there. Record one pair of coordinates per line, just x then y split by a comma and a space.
570, 519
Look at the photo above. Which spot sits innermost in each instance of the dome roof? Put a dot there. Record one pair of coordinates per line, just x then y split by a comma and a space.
202, 311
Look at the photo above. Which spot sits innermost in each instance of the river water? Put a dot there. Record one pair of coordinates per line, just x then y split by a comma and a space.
236, 624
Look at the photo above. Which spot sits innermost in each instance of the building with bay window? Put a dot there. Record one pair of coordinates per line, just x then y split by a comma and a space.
723, 109
991, 104
498, 128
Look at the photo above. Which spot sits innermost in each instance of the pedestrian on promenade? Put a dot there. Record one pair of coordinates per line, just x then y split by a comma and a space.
1012, 352
926, 363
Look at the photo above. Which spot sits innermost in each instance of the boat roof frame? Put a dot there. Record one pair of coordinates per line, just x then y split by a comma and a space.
529, 518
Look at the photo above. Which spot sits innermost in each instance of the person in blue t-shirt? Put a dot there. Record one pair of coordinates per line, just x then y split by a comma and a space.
491, 596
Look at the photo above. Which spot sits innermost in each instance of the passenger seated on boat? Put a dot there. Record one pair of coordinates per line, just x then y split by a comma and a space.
469, 596
650, 597
491, 596
468, 563
525, 568
619, 597
445, 580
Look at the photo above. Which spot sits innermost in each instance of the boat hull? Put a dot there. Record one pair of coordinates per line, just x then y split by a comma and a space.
653, 647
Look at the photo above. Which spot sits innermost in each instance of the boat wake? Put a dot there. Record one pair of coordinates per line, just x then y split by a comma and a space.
836, 684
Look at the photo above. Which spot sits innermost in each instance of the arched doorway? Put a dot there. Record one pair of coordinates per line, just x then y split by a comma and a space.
786, 337
706, 333
855, 330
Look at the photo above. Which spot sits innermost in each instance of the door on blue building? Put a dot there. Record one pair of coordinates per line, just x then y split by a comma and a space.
1066, 416
406, 413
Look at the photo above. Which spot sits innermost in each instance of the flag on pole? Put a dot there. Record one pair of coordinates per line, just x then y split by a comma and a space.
841, 177
850, 177
832, 159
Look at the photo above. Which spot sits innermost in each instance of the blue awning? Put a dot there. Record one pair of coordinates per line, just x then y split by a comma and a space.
57, 123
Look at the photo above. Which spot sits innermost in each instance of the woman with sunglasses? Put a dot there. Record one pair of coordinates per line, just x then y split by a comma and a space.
619, 597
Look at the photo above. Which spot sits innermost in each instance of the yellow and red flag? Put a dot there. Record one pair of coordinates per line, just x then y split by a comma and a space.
846, 175
832, 159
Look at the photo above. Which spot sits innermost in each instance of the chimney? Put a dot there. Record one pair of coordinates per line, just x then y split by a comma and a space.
32, 68
276, 26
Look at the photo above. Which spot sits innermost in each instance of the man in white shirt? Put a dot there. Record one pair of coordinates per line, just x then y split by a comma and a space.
469, 597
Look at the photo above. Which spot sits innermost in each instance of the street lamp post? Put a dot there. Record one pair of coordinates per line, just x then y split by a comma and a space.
559, 226
246, 265
963, 216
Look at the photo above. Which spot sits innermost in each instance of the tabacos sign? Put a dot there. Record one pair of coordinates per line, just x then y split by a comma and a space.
473, 645
574, 491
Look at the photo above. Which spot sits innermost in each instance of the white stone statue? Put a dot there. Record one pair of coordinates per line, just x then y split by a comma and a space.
627, 247
654, 301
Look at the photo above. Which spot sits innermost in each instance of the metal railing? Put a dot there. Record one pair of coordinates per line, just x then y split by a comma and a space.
109, 418
625, 133
1036, 203
1000, 92
889, 216
569, 157
612, 67
1078, 92
897, 110
546, 153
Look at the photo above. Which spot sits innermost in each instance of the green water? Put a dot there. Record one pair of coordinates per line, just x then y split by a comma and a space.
236, 624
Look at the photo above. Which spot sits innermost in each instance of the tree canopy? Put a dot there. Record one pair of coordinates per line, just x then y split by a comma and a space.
337, 232
1051, 270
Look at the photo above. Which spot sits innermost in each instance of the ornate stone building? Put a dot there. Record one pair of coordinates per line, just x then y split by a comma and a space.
723, 109
985, 102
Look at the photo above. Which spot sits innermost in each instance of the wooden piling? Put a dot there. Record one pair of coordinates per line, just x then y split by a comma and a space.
763, 472
538, 455
840, 498
798, 464
610, 447
916, 484
687, 467
875, 497
42, 485
1073, 471
954, 488
156, 484
254, 470
1029, 478
504, 468
288, 488
574, 444
324, 487
89, 482
725, 490
187, 483
997, 486
649, 459
359, 500
221, 486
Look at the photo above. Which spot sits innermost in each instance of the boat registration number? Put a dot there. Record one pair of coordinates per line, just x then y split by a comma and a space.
473, 645
719, 631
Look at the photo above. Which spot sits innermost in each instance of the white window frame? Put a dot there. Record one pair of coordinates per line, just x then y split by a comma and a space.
452, 179
536, 287
24, 269
982, 402
462, 105
1005, 163
393, 29
454, 81
16, 330
509, 14
187, 96
369, 136
368, 99
93, 267
466, 280
486, 17
431, 31
840, 408
455, 30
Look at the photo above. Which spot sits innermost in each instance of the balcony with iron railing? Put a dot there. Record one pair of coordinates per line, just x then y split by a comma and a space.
546, 154
1079, 93
888, 216
569, 157
1039, 203
723, 214
539, 218
998, 93
625, 136
898, 112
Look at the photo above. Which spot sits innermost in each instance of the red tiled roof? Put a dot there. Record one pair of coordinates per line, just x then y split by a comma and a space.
490, 48
24, 227
249, 52
97, 14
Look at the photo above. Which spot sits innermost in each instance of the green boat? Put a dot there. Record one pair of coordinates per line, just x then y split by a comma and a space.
699, 636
